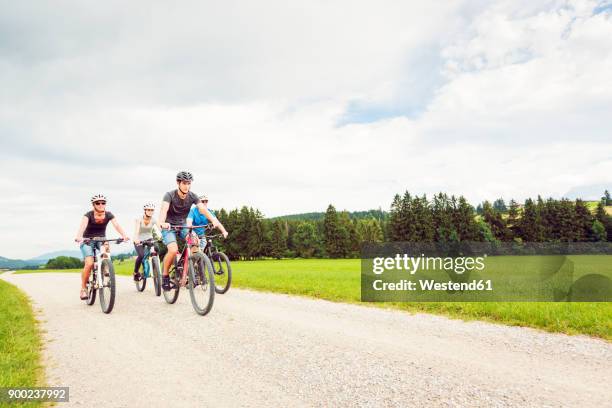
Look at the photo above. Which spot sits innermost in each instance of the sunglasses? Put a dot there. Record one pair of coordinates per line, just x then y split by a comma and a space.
100, 203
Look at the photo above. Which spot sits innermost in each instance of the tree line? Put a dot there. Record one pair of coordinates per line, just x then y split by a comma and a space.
335, 235
339, 234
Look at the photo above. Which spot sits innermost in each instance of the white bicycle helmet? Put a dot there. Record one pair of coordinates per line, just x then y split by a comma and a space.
149, 206
98, 197
204, 197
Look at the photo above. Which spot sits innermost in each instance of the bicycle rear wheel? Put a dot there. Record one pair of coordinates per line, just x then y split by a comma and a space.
156, 275
107, 286
223, 272
172, 295
201, 284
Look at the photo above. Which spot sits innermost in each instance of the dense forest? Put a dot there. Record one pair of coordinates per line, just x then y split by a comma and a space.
339, 234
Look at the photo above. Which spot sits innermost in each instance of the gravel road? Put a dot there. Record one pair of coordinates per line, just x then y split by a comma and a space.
260, 349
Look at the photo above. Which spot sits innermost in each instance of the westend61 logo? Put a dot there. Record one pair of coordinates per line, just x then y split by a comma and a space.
413, 264
486, 272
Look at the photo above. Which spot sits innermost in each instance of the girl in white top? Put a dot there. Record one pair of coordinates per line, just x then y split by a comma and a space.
144, 230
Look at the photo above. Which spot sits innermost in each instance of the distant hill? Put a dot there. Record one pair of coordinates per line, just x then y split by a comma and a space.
317, 216
6, 263
50, 255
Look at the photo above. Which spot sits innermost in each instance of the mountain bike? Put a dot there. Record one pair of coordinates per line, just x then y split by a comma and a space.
150, 266
195, 272
102, 275
220, 262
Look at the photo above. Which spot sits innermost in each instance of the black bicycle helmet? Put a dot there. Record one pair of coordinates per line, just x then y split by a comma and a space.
184, 176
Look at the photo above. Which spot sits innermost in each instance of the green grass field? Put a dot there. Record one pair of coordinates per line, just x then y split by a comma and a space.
339, 280
20, 342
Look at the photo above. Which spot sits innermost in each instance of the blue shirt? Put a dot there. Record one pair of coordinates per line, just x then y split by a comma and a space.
199, 219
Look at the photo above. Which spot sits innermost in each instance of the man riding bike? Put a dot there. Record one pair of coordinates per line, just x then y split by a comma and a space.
195, 218
142, 232
174, 210
93, 225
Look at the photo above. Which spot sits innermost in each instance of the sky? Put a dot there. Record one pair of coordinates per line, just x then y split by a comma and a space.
290, 106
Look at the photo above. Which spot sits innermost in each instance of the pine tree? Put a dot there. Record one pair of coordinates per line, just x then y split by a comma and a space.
465, 223
530, 224
279, 235
598, 231
394, 226
305, 239
566, 220
424, 220
513, 219
600, 213
583, 221
496, 222
336, 235
443, 219
604, 219
369, 231
348, 245
500, 205
407, 219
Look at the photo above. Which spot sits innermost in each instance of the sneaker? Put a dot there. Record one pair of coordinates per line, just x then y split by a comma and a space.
137, 276
83, 294
166, 283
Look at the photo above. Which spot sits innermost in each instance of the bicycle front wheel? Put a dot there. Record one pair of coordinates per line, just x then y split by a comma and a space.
223, 272
156, 275
201, 284
107, 286
91, 288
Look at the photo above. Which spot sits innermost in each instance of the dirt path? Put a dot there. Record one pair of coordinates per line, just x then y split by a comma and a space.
258, 349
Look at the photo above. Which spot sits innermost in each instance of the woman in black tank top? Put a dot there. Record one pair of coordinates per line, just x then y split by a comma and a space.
93, 224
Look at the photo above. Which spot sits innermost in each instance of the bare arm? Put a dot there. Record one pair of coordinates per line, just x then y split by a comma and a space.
119, 229
215, 222
79, 235
163, 211
136, 232
156, 229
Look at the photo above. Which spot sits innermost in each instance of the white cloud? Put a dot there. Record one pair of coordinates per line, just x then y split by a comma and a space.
505, 99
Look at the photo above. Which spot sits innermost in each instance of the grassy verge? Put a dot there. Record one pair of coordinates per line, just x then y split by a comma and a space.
20, 342
339, 280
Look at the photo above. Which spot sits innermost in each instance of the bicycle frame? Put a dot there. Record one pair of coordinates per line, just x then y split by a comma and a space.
206, 242
182, 264
95, 244
149, 253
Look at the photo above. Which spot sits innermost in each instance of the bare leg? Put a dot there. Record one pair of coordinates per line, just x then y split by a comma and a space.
169, 258
88, 265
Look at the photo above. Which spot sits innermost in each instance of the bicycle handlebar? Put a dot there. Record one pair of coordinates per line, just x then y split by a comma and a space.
89, 240
179, 227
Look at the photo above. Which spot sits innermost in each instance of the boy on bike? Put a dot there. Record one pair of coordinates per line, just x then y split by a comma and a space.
174, 210
93, 225
195, 218
142, 232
